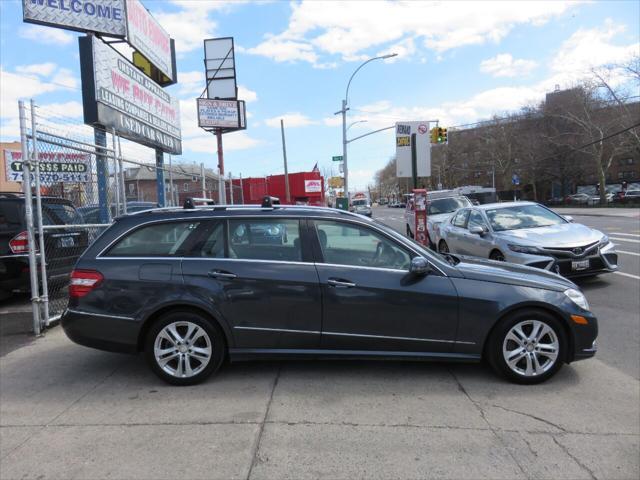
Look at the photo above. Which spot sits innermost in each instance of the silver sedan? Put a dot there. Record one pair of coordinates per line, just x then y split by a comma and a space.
530, 234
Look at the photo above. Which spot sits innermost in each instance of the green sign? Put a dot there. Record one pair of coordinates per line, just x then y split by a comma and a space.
337, 158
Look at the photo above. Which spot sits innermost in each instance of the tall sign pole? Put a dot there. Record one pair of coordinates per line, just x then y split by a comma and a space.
160, 178
221, 193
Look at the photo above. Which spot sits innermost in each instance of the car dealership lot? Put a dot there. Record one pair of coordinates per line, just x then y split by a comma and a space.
68, 411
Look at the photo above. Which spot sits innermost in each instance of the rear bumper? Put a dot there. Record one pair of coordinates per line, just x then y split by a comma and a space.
104, 332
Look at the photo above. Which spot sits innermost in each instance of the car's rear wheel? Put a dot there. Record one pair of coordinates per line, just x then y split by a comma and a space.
527, 347
443, 247
184, 347
497, 255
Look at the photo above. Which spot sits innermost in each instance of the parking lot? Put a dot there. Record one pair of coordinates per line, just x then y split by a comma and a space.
71, 412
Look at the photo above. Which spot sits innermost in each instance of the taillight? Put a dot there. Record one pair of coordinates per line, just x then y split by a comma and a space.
20, 243
83, 281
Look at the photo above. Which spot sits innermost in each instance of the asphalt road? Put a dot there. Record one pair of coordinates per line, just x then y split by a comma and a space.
614, 298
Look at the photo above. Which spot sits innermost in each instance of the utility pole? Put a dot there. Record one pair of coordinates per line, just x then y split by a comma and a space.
286, 172
171, 190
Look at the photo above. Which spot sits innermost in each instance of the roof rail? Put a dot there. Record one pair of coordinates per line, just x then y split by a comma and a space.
243, 207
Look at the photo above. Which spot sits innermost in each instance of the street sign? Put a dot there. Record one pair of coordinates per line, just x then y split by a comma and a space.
226, 114
337, 158
515, 179
404, 133
220, 67
341, 168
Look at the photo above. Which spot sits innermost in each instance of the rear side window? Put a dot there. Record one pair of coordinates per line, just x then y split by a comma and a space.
62, 213
158, 240
257, 239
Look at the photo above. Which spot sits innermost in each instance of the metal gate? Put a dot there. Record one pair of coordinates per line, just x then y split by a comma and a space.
65, 181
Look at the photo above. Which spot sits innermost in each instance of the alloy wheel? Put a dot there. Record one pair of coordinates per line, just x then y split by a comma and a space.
182, 349
530, 348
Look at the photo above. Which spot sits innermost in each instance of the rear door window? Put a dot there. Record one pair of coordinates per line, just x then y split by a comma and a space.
169, 239
276, 239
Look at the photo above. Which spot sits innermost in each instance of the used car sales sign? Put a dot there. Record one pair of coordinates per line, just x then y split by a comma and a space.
117, 95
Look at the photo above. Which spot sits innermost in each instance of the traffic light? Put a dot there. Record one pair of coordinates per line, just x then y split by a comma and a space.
434, 135
443, 135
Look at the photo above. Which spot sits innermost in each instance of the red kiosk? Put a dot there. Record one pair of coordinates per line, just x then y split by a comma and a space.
420, 227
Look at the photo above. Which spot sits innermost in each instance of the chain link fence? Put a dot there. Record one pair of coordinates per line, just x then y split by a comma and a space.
79, 187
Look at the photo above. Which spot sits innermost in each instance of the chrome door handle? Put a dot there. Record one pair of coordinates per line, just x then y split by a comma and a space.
340, 283
221, 274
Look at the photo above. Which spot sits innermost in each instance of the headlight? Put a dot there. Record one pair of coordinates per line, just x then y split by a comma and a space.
577, 297
604, 241
524, 249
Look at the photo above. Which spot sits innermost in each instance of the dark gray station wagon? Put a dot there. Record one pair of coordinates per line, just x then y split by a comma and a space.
192, 287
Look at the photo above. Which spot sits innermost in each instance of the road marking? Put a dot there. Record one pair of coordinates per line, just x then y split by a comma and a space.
624, 234
628, 240
628, 275
628, 253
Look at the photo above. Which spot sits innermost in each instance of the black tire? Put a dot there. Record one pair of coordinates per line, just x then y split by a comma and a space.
443, 247
409, 234
215, 336
494, 347
497, 256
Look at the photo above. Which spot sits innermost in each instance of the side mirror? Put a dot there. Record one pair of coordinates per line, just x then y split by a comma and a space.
568, 218
419, 266
477, 230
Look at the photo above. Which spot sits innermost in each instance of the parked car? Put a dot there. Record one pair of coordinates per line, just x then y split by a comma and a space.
439, 209
361, 206
579, 199
174, 284
530, 234
631, 197
62, 247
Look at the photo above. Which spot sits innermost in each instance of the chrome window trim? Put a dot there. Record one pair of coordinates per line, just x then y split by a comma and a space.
413, 339
284, 330
363, 267
356, 221
119, 317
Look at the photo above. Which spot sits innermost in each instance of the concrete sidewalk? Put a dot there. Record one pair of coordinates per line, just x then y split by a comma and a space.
76, 413
599, 211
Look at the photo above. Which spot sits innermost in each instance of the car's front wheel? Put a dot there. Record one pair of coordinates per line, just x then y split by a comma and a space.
184, 347
527, 347
443, 247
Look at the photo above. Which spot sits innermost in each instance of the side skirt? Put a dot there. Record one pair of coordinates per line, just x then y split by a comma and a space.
245, 354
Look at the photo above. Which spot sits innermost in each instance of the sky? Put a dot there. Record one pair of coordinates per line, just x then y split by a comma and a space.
458, 62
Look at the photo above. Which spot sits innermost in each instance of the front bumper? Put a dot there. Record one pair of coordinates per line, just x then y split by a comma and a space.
602, 260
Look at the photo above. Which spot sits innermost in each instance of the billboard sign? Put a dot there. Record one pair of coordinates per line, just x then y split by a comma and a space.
55, 167
406, 133
225, 114
101, 16
312, 186
117, 95
147, 36
220, 67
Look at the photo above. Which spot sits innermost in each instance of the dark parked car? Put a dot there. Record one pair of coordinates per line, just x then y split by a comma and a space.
62, 247
191, 287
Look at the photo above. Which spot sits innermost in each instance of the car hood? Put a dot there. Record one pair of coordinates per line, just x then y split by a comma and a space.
565, 235
475, 268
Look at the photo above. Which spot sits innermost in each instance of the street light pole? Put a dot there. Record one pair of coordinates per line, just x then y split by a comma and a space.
343, 111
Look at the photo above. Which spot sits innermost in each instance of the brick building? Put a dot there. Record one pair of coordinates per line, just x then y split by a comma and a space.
490, 153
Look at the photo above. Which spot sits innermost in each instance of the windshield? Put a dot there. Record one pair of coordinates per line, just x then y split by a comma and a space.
359, 203
447, 205
522, 216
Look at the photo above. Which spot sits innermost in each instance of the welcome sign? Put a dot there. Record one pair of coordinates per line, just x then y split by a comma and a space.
100, 16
